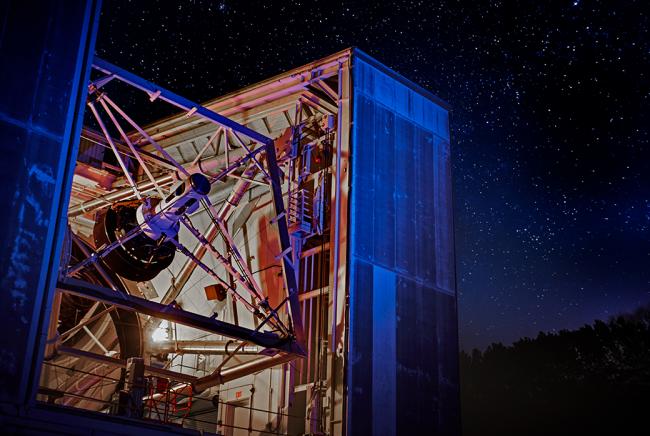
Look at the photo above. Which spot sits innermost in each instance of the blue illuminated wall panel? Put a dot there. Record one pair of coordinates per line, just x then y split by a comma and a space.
45, 53
403, 348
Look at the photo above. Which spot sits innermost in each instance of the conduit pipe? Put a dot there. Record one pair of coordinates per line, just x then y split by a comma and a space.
204, 347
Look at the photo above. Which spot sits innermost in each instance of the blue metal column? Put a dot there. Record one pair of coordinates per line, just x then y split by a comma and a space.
45, 52
402, 365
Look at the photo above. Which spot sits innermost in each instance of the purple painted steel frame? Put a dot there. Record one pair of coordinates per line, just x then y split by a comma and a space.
156, 91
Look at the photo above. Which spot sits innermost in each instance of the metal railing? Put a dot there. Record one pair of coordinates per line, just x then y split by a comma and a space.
163, 404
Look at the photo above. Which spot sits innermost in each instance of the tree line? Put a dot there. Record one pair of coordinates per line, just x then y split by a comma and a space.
590, 381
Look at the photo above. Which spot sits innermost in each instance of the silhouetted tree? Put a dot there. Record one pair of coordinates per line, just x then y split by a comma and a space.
594, 380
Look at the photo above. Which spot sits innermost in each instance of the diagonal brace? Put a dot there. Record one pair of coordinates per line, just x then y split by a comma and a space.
174, 314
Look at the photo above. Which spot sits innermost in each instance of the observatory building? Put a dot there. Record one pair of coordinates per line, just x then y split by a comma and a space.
279, 260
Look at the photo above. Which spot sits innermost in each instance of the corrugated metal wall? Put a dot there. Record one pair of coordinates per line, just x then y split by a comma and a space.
403, 349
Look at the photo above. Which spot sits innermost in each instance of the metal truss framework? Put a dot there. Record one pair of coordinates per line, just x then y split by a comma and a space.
286, 339
320, 273
235, 153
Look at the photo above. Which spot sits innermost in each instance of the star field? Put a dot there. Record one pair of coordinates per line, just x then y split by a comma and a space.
549, 128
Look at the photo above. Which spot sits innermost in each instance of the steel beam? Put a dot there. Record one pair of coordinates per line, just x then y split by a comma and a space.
285, 243
174, 314
175, 99
265, 98
121, 363
116, 152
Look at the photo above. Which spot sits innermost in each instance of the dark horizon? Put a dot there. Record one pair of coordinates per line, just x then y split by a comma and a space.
631, 314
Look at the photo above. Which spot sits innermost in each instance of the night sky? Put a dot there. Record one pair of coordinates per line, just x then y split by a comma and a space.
549, 128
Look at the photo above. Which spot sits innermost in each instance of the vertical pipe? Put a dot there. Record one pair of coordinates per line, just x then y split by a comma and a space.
337, 392
337, 200
308, 335
250, 410
283, 397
